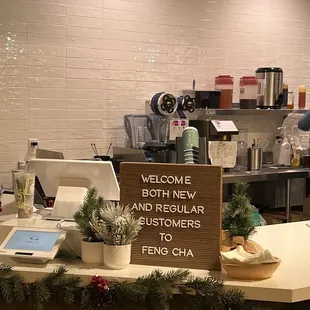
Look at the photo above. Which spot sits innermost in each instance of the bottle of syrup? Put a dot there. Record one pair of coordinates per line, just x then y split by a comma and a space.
302, 97
290, 100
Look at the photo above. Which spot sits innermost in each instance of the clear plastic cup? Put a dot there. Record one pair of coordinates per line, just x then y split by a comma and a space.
24, 187
241, 161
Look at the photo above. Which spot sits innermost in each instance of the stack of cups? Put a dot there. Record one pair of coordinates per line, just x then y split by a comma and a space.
191, 145
24, 187
191, 156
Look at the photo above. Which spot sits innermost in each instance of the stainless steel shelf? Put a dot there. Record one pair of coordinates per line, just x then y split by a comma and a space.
280, 112
266, 174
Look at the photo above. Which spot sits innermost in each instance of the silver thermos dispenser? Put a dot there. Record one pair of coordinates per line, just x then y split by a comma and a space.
270, 88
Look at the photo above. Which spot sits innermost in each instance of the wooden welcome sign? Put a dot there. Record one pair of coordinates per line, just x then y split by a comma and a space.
180, 207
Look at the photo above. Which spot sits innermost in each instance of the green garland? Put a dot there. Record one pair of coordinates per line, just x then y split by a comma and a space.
151, 292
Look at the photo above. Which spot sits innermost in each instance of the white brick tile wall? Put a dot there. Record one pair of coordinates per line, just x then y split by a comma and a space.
10, 146
84, 32
57, 145
49, 7
84, 123
53, 40
55, 134
82, 103
70, 69
86, 22
46, 82
44, 104
43, 124
84, 63
42, 18
74, 10
45, 114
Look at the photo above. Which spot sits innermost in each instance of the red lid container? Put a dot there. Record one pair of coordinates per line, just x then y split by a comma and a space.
224, 80
248, 80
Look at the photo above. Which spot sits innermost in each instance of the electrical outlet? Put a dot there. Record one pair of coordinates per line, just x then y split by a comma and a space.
32, 146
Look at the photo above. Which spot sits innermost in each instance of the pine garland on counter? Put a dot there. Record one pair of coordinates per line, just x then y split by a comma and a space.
151, 292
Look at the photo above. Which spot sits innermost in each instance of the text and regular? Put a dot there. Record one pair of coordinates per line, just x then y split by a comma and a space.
160, 208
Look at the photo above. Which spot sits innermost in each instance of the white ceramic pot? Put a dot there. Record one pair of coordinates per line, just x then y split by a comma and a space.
116, 256
92, 252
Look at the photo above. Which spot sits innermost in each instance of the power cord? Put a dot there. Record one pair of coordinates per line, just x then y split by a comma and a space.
58, 226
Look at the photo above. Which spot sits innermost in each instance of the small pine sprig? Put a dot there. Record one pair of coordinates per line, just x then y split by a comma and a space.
209, 293
92, 203
5, 271
116, 224
128, 294
87, 298
161, 286
11, 285
238, 218
153, 291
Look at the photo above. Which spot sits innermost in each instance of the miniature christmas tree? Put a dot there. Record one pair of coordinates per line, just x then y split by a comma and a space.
92, 203
238, 219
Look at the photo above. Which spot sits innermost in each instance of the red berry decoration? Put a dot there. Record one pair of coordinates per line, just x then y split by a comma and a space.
96, 280
102, 290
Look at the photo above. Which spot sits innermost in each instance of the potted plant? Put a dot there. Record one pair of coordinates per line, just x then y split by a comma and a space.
239, 222
91, 244
118, 228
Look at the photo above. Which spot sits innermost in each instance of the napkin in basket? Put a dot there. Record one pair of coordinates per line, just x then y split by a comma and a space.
240, 256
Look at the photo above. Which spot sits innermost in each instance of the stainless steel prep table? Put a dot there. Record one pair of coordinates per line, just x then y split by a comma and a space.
270, 174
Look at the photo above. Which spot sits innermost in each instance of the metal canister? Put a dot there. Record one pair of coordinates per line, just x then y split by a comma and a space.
270, 87
254, 159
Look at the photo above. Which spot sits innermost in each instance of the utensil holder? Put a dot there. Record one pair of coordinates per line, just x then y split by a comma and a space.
255, 159
102, 157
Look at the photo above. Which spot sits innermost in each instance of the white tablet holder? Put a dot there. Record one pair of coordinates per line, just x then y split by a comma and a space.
69, 196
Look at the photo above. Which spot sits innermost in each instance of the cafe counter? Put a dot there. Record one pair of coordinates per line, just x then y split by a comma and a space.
289, 284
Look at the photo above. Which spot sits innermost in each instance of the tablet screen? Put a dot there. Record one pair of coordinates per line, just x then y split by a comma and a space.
33, 240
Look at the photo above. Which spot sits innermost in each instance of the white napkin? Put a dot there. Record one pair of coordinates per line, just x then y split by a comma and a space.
239, 255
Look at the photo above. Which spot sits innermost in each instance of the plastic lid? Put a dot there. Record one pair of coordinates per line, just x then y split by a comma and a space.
22, 165
270, 69
224, 79
248, 80
302, 89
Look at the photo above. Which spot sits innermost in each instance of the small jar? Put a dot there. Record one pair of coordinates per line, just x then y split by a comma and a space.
290, 100
285, 95
302, 97
225, 83
248, 92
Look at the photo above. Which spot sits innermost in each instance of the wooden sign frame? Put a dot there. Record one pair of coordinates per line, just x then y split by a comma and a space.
181, 209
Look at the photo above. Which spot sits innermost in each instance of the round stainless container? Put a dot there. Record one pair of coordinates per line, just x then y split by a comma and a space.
254, 159
270, 87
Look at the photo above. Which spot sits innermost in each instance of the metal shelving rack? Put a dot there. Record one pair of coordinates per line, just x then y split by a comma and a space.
262, 112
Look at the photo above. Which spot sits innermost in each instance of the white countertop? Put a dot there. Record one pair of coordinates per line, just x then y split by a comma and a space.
290, 283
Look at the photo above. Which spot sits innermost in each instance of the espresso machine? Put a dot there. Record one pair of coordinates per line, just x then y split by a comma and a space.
215, 142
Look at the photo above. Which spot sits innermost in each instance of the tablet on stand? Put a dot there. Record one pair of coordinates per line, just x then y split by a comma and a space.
32, 245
